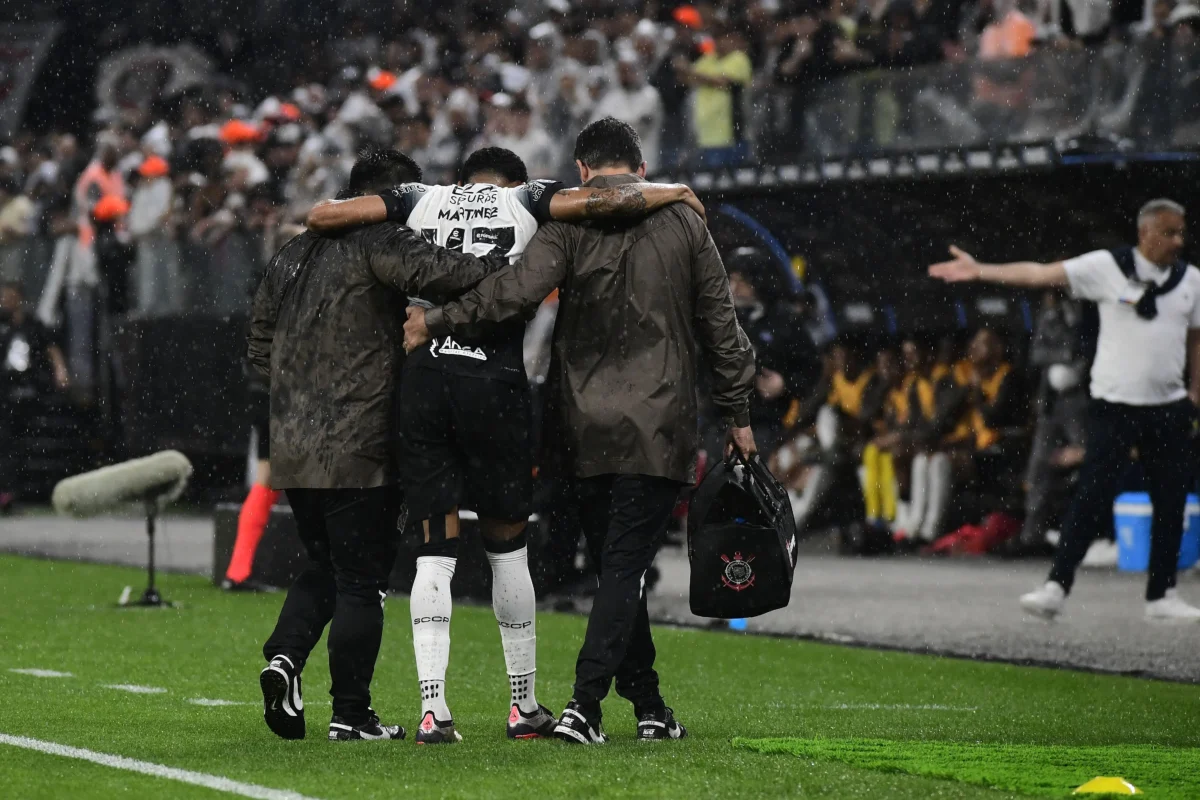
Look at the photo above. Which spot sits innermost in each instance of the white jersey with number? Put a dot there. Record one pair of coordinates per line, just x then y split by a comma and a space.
480, 219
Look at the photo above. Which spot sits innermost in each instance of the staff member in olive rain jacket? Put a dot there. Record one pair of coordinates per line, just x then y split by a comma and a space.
326, 331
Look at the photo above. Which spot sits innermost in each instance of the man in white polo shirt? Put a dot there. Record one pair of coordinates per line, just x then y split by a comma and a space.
1149, 307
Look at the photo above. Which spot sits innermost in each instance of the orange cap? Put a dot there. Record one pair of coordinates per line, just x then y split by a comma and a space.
688, 16
289, 111
707, 45
237, 132
153, 167
381, 80
110, 208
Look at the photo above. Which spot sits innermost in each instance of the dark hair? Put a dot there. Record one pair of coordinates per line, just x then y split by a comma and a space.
496, 161
609, 142
376, 171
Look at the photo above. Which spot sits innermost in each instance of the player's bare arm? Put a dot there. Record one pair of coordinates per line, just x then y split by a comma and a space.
963, 268
334, 215
627, 200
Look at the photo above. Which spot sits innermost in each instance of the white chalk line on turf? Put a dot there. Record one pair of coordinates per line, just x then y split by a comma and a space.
897, 707
213, 703
215, 782
134, 688
43, 673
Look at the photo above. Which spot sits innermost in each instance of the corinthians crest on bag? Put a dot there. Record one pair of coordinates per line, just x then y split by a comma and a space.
741, 541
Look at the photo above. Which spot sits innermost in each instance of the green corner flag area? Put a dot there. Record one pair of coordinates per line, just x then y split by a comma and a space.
97, 702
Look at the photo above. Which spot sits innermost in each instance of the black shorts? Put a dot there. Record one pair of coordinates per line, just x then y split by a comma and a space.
466, 443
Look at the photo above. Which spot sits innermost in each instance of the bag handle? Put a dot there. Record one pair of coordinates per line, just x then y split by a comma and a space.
760, 472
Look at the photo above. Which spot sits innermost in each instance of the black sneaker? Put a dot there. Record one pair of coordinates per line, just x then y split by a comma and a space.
371, 730
283, 703
434, 731
538, 725
575, 728
655, 725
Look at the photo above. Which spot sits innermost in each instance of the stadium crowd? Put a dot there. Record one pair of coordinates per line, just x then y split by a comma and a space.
176, 199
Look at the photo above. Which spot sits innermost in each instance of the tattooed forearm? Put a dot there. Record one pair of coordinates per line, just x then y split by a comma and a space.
624, 200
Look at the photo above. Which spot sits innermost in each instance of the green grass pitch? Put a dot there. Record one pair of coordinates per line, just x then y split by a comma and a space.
844, 723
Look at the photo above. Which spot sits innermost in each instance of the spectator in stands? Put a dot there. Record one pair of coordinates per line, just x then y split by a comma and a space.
670, 80
99, 181
1060, 438
30, 363
1184, 74
1003, 85
721, 77
784, 353
414, 136
631, 99
159, 288
1152, 116
814, 49
1006, 32
512, 127
907, 40
455, 126
17, 220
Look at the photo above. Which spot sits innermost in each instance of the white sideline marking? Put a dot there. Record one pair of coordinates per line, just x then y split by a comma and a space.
43, 673
204, 701
897, 707
134, 688
215, 782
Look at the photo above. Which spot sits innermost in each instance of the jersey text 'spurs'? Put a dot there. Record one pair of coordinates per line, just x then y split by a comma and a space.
741, 541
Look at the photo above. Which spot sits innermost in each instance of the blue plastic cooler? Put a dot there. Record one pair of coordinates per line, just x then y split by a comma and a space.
1132, 513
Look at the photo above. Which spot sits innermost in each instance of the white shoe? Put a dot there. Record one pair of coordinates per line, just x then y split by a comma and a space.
1171, 609
1046, 602
1102, 553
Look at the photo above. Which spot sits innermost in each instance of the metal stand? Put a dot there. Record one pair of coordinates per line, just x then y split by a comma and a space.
150, 598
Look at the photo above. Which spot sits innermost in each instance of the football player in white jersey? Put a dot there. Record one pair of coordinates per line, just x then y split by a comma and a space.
467, 415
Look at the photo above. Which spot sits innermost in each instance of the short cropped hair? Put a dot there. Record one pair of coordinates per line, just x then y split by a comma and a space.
494, 161
377, 171
1158, 206
609, 142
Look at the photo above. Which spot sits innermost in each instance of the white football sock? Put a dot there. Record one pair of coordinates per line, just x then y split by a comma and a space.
430, 605
514, 603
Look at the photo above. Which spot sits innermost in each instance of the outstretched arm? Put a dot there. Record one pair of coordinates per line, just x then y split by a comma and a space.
626, 200
1027, 274
333, 215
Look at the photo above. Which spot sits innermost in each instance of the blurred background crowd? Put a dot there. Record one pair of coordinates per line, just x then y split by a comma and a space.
205, 132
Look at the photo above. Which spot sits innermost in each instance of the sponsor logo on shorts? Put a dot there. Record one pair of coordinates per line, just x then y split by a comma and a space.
449, 347
516, 625
419, 620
